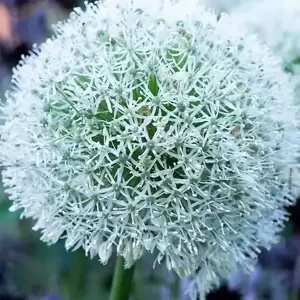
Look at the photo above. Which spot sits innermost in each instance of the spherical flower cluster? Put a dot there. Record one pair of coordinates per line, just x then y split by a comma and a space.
223, 5
152, 127
277, 23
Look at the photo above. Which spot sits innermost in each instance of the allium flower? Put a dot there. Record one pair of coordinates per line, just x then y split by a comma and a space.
223, 5
277, 22
152, 127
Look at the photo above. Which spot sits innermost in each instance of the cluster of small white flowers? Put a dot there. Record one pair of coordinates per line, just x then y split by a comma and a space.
277, 22
223, 5
152, 126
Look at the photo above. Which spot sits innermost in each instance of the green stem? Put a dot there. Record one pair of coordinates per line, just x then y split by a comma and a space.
122, 281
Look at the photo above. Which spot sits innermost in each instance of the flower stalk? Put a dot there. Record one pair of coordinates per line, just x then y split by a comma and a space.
122, 281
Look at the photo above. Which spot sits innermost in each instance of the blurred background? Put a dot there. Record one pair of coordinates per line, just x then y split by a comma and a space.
30, 269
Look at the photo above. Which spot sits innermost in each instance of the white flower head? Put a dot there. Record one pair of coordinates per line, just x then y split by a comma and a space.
277, 22
223, 5
152, 127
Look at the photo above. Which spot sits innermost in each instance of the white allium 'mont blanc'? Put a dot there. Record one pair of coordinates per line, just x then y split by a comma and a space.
151, 126
277, 22
223, 5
